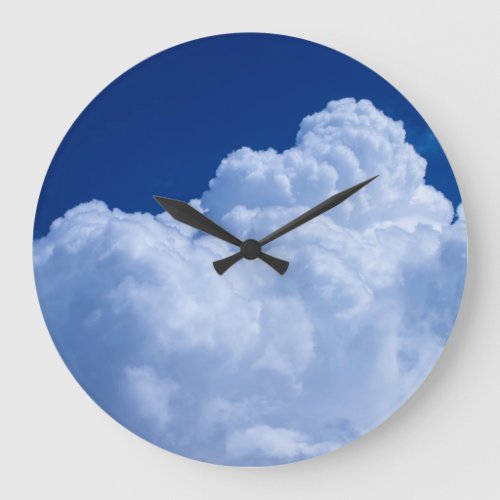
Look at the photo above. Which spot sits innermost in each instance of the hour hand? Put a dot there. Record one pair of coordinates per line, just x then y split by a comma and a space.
186, 214
249, 249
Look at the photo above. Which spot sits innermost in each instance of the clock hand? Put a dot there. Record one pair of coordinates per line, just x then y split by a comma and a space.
186, 214
280, 266
277, 264
223, 265
322, 207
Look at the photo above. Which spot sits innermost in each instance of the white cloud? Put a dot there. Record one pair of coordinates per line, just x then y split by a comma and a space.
268, 442
149, 394
253, 367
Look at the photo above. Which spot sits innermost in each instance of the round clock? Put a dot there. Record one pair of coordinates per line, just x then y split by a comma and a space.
250, 249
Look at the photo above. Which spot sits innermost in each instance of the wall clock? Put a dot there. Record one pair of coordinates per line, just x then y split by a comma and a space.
250, 249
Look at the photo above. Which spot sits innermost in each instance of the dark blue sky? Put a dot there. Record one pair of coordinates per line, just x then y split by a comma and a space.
164, 126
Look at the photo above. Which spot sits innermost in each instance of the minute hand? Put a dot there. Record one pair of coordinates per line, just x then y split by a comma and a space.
324, 206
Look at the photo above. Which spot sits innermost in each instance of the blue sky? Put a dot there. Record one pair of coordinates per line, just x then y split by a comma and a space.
251, 368
163, 126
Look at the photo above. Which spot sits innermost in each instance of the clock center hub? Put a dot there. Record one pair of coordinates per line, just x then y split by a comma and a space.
251, 249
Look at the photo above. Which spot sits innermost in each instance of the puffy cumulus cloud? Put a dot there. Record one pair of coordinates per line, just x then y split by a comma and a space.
342, 145
252, 367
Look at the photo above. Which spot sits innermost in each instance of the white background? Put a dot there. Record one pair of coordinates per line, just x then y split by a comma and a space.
54, 440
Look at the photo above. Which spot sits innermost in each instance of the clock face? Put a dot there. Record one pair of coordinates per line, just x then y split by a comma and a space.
250, 249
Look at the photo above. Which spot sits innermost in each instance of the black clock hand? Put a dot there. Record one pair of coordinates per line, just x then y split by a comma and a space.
277, 264
280, 266
329, 203
223, 265
186, 214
